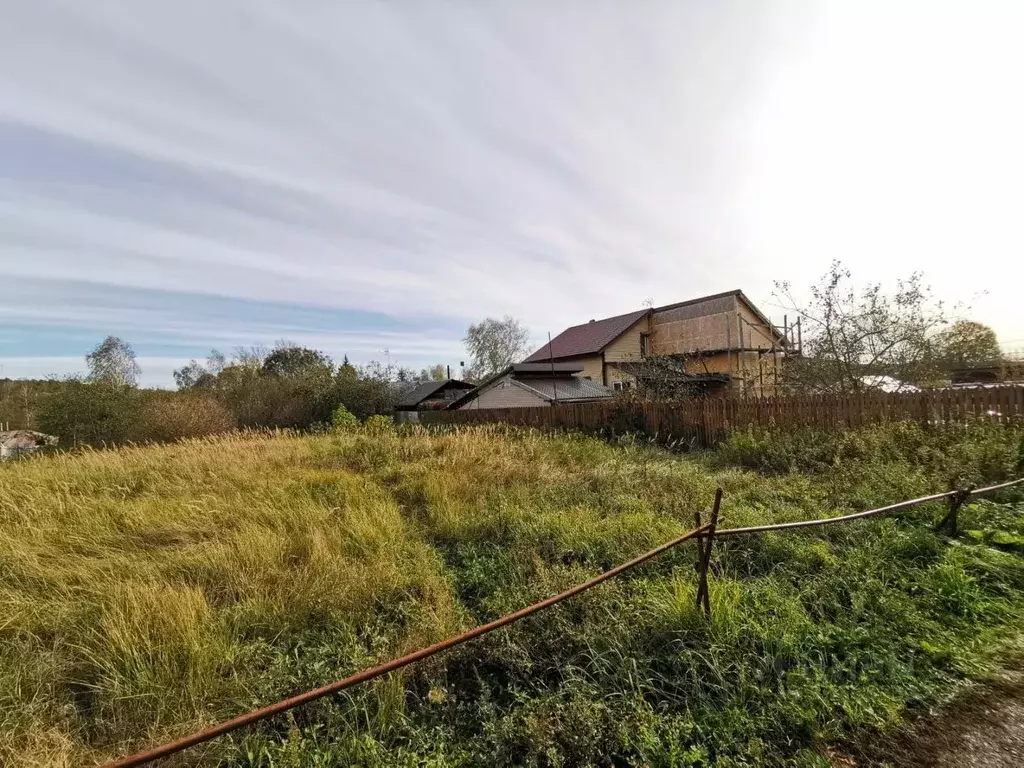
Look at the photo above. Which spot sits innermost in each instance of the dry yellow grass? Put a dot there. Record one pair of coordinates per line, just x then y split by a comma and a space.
130, 575
132, 578
149, 591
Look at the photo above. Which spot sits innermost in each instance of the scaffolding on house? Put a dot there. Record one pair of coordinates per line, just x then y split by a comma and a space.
759, 362
752, 353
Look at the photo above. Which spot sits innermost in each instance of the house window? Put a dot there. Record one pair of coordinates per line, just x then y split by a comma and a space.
644, 339
621, 386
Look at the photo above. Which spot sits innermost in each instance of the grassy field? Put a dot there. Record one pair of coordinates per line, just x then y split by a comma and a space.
146, 592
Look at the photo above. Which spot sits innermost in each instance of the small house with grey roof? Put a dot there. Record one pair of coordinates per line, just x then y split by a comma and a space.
526, 385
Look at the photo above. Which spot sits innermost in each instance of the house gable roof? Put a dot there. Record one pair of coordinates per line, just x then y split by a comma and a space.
588, 338
591, 338
546, 368
716, 303
475, 392
701, 306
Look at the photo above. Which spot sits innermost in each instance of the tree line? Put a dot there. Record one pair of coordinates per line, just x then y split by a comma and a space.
285, 386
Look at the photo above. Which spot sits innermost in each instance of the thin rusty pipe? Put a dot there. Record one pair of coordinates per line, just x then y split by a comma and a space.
856, 515
149, 755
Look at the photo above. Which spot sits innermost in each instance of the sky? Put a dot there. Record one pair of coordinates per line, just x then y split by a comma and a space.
369, 178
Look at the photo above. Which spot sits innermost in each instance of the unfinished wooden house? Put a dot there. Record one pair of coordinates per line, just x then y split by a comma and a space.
713, 344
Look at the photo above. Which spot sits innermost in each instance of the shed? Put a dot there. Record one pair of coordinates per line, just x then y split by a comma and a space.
526, 385
429, 396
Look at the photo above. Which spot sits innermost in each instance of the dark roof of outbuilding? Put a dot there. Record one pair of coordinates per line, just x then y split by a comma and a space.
421, 392
587, 339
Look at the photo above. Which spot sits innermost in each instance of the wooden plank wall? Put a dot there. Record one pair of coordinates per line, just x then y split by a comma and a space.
708, 421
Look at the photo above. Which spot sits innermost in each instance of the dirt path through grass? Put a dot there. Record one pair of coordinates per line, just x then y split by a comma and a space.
984, 729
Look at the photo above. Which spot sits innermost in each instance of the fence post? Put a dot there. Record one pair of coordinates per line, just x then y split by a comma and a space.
705, 556
949, 522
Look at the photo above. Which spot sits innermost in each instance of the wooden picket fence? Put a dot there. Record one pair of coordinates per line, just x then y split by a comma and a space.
706, 421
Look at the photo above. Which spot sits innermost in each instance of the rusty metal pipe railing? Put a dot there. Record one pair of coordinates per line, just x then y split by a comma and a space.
701, 531
165, 750
858, 515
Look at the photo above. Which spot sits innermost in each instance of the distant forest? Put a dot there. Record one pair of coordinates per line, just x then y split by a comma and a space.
285, 387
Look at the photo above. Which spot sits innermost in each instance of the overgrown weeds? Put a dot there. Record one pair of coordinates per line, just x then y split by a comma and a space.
149, 591
956, 453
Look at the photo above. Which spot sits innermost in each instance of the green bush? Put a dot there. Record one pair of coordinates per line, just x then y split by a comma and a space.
98, 414
342, 419
169, 416
378, 425
93, 413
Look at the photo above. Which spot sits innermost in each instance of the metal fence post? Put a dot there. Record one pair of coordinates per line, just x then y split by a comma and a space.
705, 557
949, 522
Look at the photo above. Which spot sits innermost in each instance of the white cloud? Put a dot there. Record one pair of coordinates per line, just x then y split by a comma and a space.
443, 162
458, 162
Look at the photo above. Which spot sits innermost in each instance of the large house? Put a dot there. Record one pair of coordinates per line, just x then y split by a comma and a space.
711, 344
526, 385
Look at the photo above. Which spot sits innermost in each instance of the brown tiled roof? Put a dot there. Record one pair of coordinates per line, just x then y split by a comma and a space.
546, 368
590, 338
587, 339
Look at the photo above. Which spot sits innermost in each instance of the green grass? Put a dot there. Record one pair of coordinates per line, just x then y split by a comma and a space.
147, 592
